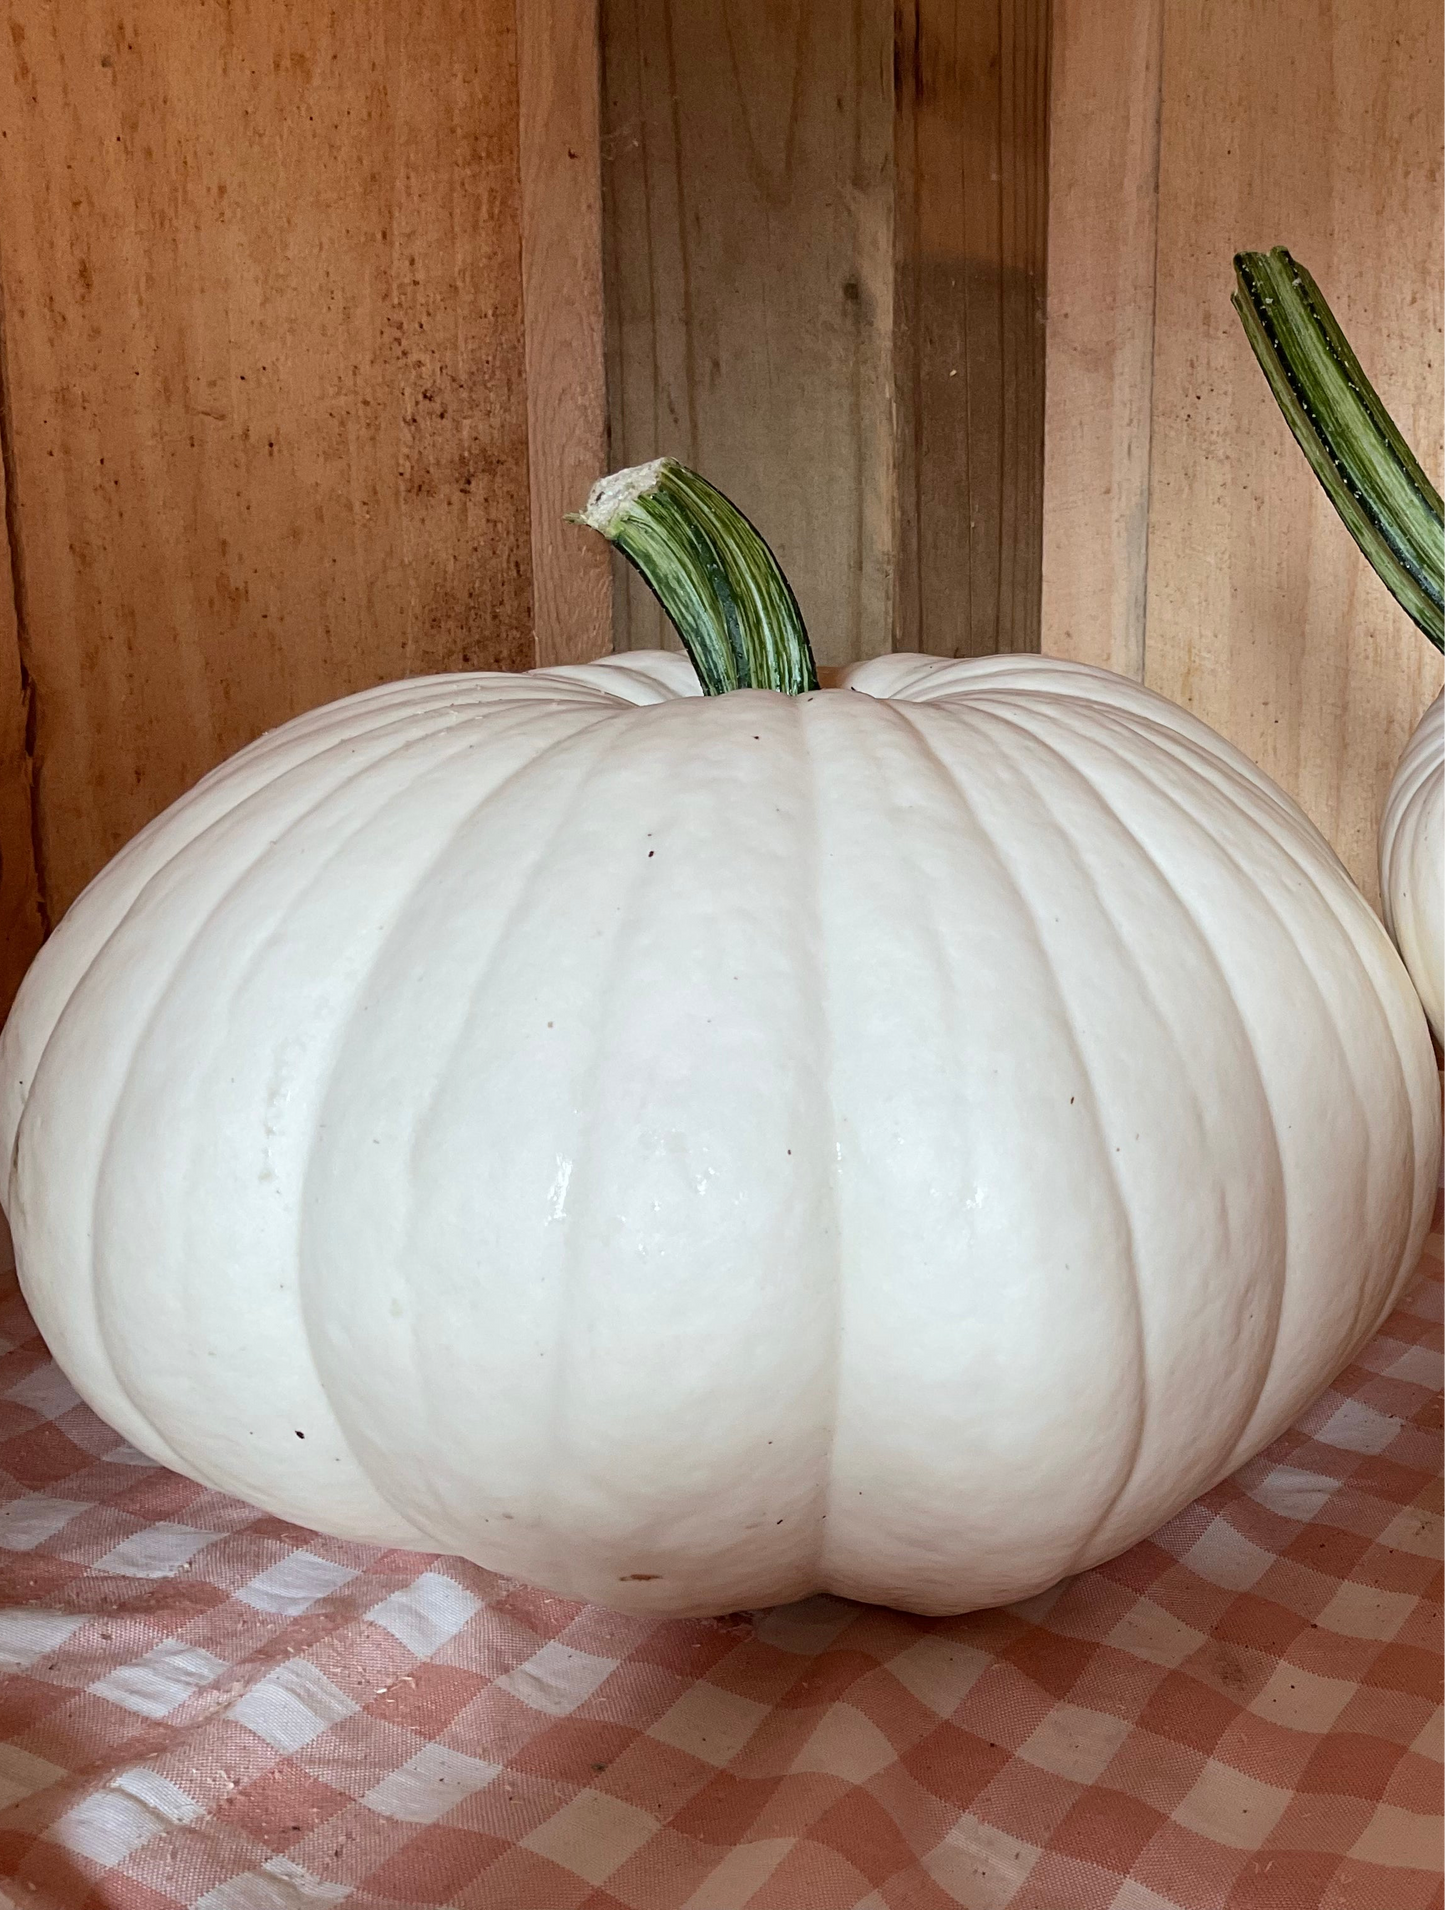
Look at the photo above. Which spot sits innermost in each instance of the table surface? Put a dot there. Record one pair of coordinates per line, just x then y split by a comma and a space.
205, 1707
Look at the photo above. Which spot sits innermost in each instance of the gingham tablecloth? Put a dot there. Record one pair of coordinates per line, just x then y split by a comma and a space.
207, 1708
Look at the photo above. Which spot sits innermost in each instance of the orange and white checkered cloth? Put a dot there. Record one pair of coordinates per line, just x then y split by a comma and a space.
206, 1708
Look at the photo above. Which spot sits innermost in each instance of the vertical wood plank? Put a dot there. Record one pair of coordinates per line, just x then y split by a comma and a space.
262, 284
557, 58
748, 212
972, 186
1316, 124
1103, 219
22, 921
759, 162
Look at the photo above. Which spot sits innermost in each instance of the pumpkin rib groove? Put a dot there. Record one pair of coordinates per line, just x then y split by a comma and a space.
606, 995
1242, 791
525, 887
1142, 1418
411, 740
1288, 844
1129, 1284
863, 741
1205, 947
1144, 715
246, 795
355, 719
504, 724
1369, 936
1229, 771
571, 1275
98, 1305
1205, 944
1358, 927
1354, 929
818, 995
146, 1030
552, 1517
602, 718
1248, 1439
602, 730
1007, 713
94, 958
624, 667
926, 913
304, 762
462, 692
368, 714
526, 712
160, 828
1357, 924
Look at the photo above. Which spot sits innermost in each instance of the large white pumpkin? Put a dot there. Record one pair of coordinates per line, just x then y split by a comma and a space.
906, 1139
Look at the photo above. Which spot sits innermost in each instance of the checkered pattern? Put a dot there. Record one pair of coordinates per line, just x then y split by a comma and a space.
206, 1708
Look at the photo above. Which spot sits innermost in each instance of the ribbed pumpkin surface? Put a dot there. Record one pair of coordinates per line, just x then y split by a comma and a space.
905, 1140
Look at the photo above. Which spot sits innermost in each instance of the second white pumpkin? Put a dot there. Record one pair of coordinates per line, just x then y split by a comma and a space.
1412, 861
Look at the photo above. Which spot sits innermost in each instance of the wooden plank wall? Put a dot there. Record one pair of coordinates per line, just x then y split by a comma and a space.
971, 179
825, 245
561, 177
1103, 222
1186, 541
284, 300
747, 166
22, 918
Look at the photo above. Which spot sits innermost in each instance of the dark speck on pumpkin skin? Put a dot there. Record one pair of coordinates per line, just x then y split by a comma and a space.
633, 1578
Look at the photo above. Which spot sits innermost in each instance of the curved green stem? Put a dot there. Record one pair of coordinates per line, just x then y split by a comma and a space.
712, 573
1374, 480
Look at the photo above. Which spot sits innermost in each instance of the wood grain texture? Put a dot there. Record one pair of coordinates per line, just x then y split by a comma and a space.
1103, 218
22, 921
557, 59
262, 288
825, 267
972, 194
749, 207
1316, 124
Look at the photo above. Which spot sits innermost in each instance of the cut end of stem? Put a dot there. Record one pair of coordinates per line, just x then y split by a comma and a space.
611, 495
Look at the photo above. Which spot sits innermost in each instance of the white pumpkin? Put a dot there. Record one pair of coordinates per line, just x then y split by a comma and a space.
906, 1139
1412, 861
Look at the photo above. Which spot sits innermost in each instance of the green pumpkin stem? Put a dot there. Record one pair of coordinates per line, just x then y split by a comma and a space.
1373, 479
712, 573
